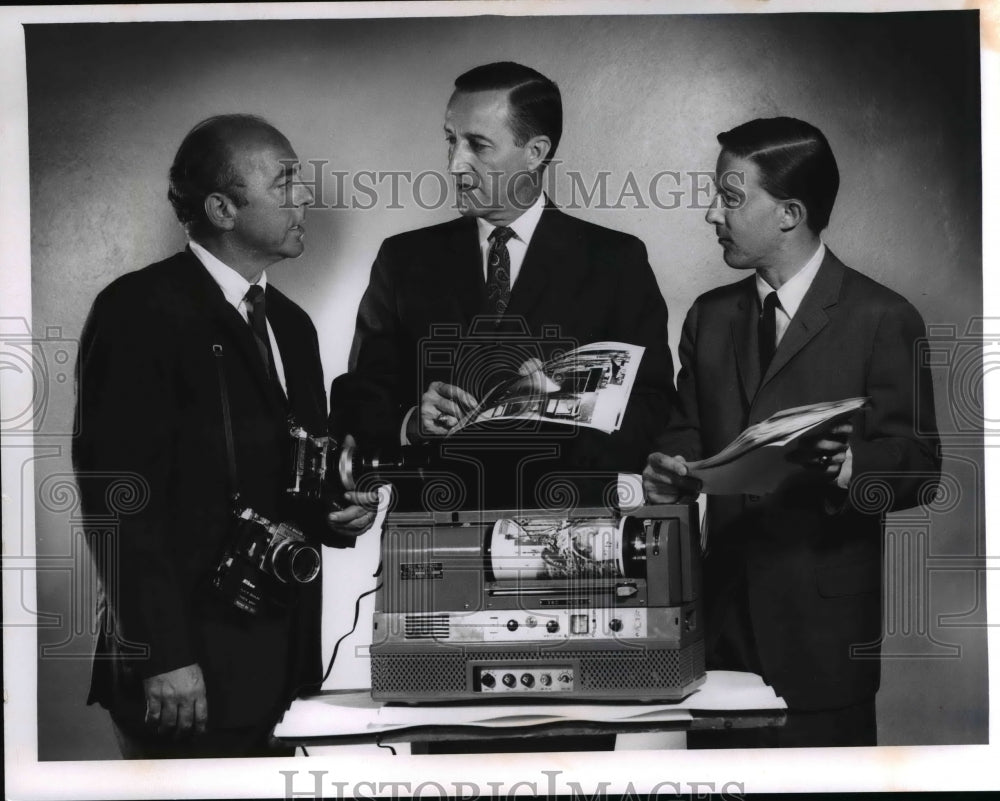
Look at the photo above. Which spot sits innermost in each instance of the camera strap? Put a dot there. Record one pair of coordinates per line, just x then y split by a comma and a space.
227, 423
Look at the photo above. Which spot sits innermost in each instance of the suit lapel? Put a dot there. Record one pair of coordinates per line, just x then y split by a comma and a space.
461, 270
217, 308
743, 329
811, 317
549, 259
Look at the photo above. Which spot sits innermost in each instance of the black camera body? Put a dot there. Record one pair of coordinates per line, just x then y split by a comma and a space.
324, 469
264, 564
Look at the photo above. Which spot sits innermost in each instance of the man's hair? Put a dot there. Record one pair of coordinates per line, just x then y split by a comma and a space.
204, 164
795, 161
534, 100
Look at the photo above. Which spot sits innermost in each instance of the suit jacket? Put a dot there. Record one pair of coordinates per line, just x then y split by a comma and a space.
150, 407
578, 282
812, 556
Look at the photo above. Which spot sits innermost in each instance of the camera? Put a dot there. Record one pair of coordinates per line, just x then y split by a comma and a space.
324, 468
264, 564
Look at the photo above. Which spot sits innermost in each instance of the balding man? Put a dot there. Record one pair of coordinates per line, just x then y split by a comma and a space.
189, 371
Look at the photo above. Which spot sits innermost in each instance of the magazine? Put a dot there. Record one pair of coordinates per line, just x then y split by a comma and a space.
756, 461
587, 386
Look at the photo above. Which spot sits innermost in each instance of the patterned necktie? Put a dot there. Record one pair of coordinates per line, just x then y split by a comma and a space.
254, 299
498, 270
767, 331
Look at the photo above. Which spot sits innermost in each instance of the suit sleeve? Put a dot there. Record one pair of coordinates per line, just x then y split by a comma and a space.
641, 319
897, 446
314, 517
126, 401
367, 401
682, 435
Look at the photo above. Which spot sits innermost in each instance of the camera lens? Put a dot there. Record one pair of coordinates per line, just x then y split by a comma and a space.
293, 561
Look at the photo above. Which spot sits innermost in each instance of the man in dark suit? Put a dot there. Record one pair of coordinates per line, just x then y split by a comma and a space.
793, 578
165, 350
508, 282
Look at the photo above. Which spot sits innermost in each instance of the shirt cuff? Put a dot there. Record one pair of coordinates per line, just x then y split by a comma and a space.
403, 439
836, 501
843, 479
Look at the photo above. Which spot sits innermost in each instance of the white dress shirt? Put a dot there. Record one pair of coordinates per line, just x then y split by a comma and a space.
517, 246
234, 287
791, 293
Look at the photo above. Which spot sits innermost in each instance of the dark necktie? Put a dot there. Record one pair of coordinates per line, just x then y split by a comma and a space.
767, 331
258, 324
498, 270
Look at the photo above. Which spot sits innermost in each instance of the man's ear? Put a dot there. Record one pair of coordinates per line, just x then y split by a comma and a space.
538, 148
793, 214
220, 211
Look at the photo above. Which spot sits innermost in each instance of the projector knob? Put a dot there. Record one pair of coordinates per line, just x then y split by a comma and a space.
528, 680
488, 680
615, 624
545, 679
511, 625
509, 680
552, 626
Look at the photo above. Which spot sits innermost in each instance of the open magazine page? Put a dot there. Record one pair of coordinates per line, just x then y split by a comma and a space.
782, 425
588, 386
756, 461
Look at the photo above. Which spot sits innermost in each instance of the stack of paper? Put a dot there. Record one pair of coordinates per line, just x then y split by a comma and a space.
756, 461
353, 712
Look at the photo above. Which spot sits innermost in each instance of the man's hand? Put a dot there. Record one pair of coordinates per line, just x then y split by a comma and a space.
666, 479
441, 407
823, 455
176, 702
356, 518
533, 379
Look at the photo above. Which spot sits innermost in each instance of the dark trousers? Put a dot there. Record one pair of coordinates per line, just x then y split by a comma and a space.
730, 645
138, 742
852, 725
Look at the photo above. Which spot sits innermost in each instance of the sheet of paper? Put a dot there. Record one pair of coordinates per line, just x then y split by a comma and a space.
756, 461
341, 713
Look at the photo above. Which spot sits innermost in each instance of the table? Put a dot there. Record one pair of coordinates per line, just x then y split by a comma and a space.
342, 717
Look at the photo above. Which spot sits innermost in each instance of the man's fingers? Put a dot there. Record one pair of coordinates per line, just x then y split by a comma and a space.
185, 716
446, 407
353, 519
369, 500
671, 471
200, 714
168, 715
153, 710
530, 366
657, 496
819, 453
665, 479
671, 464
657, 491
440, 413
451, 392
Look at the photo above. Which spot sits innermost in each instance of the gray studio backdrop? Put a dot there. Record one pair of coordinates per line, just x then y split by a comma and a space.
897, 95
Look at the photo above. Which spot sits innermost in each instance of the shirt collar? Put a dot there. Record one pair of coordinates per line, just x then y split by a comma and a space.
523, 227
233, 285
794, 289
